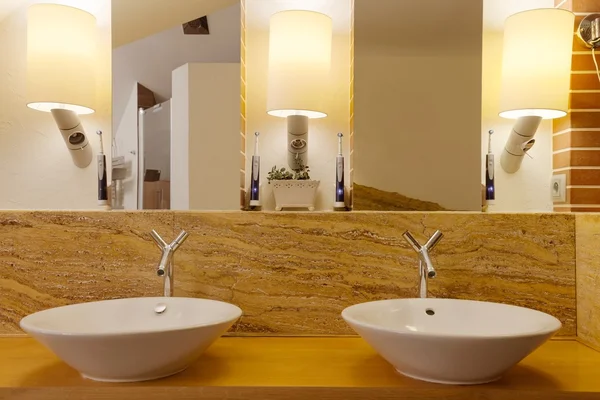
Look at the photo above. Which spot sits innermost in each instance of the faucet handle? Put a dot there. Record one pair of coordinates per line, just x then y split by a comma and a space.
174, 244
158, 240
412, 241
434, 240
431, 243
183, 235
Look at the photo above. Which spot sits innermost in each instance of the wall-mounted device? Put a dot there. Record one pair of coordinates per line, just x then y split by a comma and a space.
490, 186
61, 65
297, 141
340, 189
299, 67
535, 84
74, 135
589, 31
559, 188
519, 142
102, 176
589, 35
255, 178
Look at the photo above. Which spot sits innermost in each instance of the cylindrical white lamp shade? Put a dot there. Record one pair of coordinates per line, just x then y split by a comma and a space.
299, 64
61, 51
536, 68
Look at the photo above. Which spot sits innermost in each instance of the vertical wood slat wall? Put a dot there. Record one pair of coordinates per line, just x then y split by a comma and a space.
243, 105
576, 137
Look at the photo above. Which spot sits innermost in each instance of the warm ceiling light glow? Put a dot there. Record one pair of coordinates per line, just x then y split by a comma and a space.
536, 68
299, 63
61, 52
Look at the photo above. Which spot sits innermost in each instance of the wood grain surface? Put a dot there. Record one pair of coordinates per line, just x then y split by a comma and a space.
298, 368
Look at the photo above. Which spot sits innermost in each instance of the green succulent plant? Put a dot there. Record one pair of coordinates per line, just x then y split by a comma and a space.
282, 174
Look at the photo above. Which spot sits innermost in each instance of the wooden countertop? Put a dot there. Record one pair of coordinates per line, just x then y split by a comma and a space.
298, 368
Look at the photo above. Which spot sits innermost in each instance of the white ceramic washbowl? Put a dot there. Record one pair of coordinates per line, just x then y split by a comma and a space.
127, 340
450, 341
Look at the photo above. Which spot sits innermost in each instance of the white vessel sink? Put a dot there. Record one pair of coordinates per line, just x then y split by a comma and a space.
135, 339
457, 342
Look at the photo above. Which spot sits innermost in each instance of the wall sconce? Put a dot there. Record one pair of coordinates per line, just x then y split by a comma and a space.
589, 31
536, 73
299, 66
61, 51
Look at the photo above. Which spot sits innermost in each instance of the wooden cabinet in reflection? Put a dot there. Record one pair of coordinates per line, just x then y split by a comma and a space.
157, 195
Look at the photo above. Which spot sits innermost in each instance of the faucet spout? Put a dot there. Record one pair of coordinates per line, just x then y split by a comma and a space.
166, 264
165, 261
424, 255
426, 268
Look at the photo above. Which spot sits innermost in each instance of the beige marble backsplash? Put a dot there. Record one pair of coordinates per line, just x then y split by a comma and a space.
291, 273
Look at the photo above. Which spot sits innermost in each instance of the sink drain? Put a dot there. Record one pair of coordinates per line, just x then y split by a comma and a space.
160, 308
429, 311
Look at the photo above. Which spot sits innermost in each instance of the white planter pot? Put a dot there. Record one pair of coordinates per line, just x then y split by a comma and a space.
295, 194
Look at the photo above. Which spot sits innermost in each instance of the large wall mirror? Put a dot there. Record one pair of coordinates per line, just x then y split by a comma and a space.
175, 101
296, 105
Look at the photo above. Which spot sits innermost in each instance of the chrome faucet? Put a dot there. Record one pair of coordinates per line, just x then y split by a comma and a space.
166, 264
426, 269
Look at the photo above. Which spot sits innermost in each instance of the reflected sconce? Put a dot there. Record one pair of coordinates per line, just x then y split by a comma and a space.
61, 71
536, 73
299, 67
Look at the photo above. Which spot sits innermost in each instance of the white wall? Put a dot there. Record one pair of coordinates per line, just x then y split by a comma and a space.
151, 60
36, 170
180, 138
529, 188
205, 137
126, 140
417, 124
418, 99
157, 140
322, 132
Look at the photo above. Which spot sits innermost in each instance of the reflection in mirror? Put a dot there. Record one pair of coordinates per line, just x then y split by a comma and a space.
38, 168
413, 88
529, 188
418, 105
176, 107
298, 58
432, 82
155, 138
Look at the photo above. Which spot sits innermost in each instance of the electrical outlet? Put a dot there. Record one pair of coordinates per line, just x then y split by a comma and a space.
559, 188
